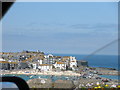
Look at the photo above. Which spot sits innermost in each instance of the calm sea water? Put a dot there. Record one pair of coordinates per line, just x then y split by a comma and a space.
109, 61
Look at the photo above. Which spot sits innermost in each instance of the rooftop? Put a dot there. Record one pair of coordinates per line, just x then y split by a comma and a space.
60, 63
45, 64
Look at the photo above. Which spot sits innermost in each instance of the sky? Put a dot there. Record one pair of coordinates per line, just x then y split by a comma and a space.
61, 27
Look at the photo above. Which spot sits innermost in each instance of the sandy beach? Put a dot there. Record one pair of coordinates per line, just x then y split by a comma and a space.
33, 72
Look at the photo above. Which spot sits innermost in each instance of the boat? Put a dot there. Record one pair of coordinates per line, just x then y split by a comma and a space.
31, 76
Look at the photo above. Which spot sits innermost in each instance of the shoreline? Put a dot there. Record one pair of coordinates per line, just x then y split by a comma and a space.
76, 80
100, 71
65, 73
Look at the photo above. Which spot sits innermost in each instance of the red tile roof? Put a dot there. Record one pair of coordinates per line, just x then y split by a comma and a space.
60, 63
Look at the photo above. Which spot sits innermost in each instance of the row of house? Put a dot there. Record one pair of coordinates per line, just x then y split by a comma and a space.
9, 65
56, 62
41, 62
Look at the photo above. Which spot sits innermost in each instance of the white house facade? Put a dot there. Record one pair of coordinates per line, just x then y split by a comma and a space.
45, 67
40, 61
60, 65
34, 66
73, 62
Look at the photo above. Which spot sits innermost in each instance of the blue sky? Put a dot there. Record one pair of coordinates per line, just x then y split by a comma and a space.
61, 27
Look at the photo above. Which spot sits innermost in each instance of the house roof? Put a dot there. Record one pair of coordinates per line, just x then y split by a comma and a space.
4, 62
66, 57
29, 59
8, 62
60, 63
57, 57
72, 61
45, 64
41, 57
13, 62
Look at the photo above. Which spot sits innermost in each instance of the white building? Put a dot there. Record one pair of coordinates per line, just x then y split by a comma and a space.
48, 56
34, 65
45, 67
49, 59
60, 65
70, 61
73, 62
1, 59
40, 61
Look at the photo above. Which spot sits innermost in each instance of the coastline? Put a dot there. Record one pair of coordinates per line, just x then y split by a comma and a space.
32, 81
64, 73
100, 71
